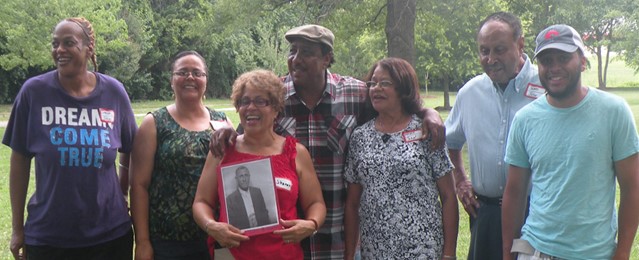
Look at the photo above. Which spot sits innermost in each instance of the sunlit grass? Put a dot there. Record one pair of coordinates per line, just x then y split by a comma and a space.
619, 75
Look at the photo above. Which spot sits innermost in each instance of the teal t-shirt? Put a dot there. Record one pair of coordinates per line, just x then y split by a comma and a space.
571, 154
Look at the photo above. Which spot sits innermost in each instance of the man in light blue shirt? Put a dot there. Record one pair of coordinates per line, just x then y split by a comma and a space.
481, 117
571, 145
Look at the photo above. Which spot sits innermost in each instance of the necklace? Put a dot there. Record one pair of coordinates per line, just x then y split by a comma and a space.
393, 125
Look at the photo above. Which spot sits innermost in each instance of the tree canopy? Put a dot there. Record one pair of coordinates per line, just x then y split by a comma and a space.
136, 39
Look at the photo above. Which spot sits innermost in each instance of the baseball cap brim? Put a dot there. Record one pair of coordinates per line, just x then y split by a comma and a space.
570, 48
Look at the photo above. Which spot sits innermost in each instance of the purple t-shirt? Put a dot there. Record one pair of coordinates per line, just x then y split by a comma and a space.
77, 201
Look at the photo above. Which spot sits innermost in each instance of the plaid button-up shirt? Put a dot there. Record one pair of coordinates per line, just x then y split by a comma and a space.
325, 131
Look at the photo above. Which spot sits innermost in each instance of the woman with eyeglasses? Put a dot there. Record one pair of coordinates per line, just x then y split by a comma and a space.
395, 179
168, 156
259, 97
73, 122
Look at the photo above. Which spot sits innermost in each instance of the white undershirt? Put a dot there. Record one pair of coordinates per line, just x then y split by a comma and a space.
248, 205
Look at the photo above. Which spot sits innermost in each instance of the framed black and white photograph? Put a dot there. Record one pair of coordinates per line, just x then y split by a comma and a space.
250, 200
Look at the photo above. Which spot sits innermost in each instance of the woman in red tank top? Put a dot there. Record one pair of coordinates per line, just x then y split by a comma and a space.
258, 97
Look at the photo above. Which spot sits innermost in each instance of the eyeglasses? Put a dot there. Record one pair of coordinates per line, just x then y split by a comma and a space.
258, 102
382, 84
185, 74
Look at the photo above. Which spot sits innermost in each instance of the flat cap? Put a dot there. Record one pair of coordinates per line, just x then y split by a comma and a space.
313, 33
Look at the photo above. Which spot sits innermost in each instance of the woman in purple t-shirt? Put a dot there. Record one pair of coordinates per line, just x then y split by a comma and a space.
73, 122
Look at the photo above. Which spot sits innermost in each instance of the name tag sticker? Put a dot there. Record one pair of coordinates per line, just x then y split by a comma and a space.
107, 115
283, 183
534, 91
412, 136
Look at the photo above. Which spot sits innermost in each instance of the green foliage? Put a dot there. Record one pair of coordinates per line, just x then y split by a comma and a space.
629, 46
247, 43
360, 38
447, 46
25, 35
27, 27
10, 79
136, 39
599, 21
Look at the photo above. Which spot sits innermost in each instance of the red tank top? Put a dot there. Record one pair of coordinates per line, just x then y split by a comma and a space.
271, 246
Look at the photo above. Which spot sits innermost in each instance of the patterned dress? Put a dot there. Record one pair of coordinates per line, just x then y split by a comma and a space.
179, 160
400, 213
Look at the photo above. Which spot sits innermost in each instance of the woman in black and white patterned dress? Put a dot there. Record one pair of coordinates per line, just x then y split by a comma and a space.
395, 179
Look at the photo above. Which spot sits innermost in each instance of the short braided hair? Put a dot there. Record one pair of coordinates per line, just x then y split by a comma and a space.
89, 36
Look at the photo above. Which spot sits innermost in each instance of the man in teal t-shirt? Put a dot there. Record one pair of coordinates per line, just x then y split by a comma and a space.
570, 145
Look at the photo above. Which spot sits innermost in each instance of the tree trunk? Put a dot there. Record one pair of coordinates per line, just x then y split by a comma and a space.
426, 84
446, 92
602, 83
608, 48
400, 29
605, 72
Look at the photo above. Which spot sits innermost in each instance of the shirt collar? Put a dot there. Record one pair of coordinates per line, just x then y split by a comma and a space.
523, 77
244, 192
329, 89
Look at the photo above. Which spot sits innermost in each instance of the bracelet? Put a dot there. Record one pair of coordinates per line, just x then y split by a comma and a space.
122, 165
206, 226
449, 257
315, 223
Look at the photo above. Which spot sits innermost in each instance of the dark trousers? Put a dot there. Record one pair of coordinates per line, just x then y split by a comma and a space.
118, 249
180, 250
485, 233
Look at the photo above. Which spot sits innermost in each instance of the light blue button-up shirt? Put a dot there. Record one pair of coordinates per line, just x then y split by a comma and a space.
481, 117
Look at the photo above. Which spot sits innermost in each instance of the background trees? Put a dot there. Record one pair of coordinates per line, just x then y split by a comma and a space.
400, 29
137, 38
25, 36
599, 21
447, 53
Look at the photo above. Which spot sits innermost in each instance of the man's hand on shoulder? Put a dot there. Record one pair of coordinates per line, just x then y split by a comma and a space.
433, 127
220, 139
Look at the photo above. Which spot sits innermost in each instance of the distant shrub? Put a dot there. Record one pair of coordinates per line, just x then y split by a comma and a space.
632, 84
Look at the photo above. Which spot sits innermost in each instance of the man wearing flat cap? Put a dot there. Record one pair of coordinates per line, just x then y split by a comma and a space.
571, 144
321, 111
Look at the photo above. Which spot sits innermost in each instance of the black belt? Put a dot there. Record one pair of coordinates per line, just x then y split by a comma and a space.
489, 200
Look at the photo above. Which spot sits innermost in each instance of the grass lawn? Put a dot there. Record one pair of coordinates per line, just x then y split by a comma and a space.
619, 75
433, 99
